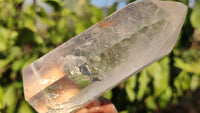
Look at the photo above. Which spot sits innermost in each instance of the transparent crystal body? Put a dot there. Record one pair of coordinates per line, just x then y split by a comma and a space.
109, 52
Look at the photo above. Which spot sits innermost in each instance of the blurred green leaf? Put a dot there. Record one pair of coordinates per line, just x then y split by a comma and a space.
26, 36
97, 15
19, 1
54, 3
143, 84
165, 97
129, 87
30, 17
7, 13
108, 95
195, 82
192, 67
160, 74
123, 112
182, 82
1, 98
195, 16
10, 99
3, 63
15, 51
17, 65
3, 38
80, 27
112, 8
130, 93
150, 102
24, 108
131, 82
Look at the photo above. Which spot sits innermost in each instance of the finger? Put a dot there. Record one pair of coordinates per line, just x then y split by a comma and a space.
93, 104
105, 107
83, 110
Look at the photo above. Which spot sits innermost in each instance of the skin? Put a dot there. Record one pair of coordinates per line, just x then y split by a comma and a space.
101, 105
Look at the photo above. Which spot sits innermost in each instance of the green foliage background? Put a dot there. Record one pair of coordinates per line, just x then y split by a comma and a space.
28, 31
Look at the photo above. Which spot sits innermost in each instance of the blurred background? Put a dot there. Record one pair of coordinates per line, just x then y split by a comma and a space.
31, 28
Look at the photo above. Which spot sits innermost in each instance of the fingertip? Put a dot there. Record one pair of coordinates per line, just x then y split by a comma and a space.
82, 110
95, 103
102, 105
105, 107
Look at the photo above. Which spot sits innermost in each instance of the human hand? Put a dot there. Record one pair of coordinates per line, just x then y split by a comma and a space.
101, 105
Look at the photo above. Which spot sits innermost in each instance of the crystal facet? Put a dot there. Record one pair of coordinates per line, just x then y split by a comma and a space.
122, 44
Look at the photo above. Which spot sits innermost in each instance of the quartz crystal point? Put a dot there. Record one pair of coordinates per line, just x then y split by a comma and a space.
109, 52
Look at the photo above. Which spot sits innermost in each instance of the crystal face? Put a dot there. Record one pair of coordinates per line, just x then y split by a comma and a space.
109, 52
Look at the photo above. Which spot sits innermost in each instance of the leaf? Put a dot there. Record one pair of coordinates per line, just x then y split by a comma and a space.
24, 108
97, 14
112, 8
26, 36
38, 40
165, 97
129, 87
123, 112
54, 3
10, 99
182, 82
192, 66
1, 98
19, 1
30, 16
108, 95
3, 63
195, 82
18, 85
195, 16
3, 38
160, 74
150, 103
130, 93
143, 84
17, 65
7, 13
80, 27
15, 51
132, 81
